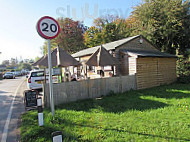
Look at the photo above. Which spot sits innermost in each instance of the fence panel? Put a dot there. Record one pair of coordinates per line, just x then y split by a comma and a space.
80, 90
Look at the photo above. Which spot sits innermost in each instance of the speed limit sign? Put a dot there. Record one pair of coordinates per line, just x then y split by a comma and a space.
48, 27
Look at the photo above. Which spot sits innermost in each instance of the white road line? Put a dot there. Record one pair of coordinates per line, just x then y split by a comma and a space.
6, 127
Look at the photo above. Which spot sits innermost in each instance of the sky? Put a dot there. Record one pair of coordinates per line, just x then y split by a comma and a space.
18, 36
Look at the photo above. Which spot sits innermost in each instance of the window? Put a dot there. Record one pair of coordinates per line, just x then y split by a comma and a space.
37, 74
9, 73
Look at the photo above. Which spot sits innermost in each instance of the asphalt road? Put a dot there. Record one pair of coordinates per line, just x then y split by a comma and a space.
11, 106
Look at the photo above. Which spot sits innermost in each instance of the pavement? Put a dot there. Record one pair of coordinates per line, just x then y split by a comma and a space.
11, 107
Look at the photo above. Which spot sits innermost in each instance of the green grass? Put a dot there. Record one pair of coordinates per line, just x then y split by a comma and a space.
158, 114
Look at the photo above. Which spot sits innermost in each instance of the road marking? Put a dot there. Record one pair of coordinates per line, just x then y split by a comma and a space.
6, 127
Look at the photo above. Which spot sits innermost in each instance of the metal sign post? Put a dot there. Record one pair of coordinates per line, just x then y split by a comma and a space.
48, 28
50, 79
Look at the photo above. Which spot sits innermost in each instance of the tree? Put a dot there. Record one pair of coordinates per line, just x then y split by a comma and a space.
165, 23
92, 37
70, 37
24, 66
6, 62
45, 46
36, 58
106, 29
13, 62
115, 30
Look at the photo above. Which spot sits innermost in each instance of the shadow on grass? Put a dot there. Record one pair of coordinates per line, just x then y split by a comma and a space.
131, 100
69, 123
115, 103
40, 133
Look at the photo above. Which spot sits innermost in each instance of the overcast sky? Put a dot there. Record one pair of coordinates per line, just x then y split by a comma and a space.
18, 18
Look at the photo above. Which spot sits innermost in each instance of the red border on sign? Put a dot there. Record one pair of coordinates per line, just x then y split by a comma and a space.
39, 31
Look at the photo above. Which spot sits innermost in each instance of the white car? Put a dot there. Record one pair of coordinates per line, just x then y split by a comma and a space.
35, 79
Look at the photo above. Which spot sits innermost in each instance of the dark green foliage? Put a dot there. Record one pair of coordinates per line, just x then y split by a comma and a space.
183, 70
165, 23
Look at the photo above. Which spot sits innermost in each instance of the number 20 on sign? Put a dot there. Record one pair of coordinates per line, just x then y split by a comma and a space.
48, 27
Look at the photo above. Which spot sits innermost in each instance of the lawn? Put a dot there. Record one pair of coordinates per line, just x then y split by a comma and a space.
157, 114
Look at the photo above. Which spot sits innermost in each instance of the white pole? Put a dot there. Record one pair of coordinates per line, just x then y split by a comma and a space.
57, 136
40, 112
50, 79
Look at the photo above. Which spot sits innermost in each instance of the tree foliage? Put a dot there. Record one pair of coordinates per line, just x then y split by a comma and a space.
106, 29
165, 23
24, 66
70, 37
92, 37
5, 62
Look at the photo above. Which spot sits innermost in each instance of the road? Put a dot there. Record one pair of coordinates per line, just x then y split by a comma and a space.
11, 106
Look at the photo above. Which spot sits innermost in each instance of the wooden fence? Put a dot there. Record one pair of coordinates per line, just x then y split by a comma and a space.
80, 90
153, 72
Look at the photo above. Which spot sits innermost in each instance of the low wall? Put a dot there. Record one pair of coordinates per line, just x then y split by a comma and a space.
80, 90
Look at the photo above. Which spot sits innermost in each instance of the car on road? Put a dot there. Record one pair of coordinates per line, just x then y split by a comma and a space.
9, 75
35, 79
18, 73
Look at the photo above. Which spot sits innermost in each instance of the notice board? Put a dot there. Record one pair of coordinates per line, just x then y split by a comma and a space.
30, 98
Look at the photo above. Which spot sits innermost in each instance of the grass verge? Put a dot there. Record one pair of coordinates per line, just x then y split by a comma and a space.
156, 114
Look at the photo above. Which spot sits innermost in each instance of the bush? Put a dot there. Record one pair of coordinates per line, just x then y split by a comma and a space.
183, 70
184, 79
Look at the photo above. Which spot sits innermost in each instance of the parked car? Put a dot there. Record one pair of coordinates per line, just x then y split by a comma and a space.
18, 73
9, 75
35, 79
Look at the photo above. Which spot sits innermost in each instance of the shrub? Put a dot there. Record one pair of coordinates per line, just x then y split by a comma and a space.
183, 70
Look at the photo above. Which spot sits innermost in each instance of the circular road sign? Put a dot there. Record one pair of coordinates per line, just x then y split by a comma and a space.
48, 27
